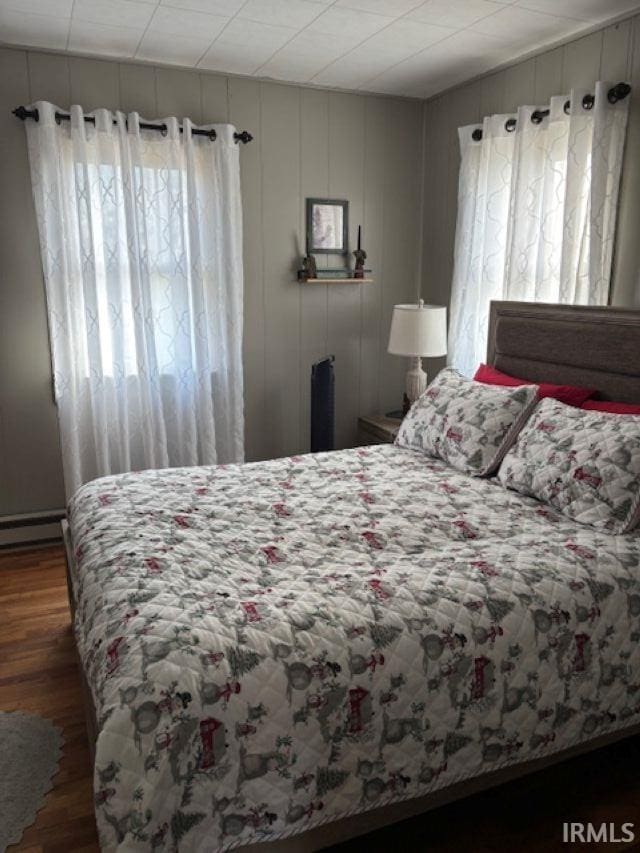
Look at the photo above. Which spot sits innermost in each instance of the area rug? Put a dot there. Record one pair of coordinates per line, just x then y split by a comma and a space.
30, 749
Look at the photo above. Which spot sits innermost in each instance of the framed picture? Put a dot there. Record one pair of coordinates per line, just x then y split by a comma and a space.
327, 226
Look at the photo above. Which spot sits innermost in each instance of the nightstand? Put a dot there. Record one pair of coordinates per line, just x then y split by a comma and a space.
377, 429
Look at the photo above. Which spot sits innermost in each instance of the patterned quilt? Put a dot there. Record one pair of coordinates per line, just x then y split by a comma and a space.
276, 645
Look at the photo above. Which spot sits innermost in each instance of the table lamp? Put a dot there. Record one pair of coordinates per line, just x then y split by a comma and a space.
418, 331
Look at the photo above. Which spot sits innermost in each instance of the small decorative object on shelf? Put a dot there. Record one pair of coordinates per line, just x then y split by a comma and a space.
360, 256
309, 269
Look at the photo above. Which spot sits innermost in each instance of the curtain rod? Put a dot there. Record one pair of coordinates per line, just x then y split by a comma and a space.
615, 94
23, 113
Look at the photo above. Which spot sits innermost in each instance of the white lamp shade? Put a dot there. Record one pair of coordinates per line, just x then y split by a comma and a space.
418, 330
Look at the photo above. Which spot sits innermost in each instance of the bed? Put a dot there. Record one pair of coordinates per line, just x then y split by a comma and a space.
285, 654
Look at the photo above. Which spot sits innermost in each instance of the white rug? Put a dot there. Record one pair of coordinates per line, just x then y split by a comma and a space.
30, 749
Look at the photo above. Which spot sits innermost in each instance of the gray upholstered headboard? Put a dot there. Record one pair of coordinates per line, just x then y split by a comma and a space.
568, 345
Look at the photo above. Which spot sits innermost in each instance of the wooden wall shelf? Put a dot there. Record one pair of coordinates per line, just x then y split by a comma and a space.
337, 281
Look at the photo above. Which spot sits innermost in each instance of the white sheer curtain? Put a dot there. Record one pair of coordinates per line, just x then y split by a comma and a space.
536, 213
141, 241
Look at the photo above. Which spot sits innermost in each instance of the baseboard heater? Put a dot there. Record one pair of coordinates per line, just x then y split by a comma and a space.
323, 384
34, 528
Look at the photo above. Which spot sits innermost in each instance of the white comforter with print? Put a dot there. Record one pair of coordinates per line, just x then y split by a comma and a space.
275, 645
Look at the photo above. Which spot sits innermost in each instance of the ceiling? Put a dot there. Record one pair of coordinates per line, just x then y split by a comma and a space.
399, 47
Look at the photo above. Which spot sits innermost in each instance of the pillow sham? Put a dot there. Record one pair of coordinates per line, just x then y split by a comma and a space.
572, 395
469, 425
611, 407
584, 464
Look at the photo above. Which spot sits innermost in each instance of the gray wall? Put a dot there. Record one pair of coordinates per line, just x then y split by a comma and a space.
307, 143
612, 53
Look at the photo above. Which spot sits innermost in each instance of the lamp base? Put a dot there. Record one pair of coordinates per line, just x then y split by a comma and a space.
416, 382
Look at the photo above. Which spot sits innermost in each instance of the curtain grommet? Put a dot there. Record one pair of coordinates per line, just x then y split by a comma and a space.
618, 92
537, 116
588, 101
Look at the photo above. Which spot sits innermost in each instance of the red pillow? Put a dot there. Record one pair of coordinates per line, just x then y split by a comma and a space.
572, 395
614, 408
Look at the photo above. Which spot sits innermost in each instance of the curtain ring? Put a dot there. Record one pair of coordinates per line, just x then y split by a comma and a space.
164, 129
588, 101
476, 135
536, 117
567, 107
510, 125
618, 92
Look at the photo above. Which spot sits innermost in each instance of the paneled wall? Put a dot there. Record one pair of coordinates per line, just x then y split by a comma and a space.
612, 53
307, 143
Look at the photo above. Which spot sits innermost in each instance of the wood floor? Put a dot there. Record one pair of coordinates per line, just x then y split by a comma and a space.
39, 673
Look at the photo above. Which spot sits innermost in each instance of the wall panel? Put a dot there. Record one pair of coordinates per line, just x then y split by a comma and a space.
616, 52
438, 170
314, 298
30, 470
94, 83
581, 62
548, 75
49, 78
372, 333
138, 91
215, 98
520, 85
280, 129
179, 94
346, 180
400, 240
492, 93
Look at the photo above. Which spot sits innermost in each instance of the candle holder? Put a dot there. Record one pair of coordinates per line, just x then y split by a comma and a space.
360, 255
